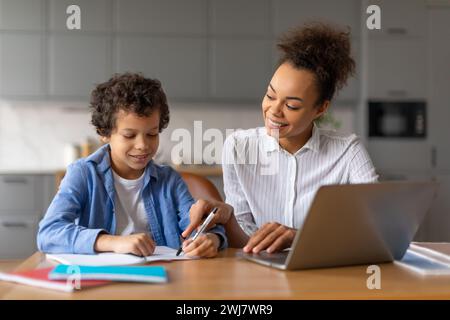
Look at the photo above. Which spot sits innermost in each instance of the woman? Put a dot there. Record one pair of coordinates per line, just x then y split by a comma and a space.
270, 205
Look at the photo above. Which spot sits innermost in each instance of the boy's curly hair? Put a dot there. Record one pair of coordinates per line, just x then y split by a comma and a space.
322, 49
130, 92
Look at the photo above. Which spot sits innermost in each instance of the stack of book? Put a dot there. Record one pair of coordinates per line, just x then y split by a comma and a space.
78, 271
70, 278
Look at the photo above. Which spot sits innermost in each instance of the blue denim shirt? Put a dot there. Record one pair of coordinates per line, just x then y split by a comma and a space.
84, 206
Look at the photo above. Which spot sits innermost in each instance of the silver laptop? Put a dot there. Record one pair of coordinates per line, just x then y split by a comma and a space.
355, 224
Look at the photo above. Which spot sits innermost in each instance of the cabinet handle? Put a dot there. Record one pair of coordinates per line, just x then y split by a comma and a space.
401, 31
389, 177
17, 180
14, 224
396, 93
433, 157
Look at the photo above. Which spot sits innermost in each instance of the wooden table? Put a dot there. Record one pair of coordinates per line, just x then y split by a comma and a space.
229, 277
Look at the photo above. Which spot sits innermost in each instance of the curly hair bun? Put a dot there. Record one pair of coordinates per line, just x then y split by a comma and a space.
323, 49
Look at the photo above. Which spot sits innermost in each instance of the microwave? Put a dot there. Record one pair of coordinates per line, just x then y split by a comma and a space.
397, 119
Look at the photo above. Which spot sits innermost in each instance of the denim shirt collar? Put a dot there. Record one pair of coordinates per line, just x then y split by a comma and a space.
103, 160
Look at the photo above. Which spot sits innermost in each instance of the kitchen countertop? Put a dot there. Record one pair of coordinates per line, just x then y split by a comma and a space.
4, 171
204, 170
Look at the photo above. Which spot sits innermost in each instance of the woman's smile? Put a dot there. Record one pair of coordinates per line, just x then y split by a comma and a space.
273, 124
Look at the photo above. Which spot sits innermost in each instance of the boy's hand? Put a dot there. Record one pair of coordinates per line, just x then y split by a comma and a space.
200, 210
206, 246
139, 244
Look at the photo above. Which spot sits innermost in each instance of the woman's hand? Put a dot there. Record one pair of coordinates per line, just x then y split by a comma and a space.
271, 236
139, 244
200, 210
206, 246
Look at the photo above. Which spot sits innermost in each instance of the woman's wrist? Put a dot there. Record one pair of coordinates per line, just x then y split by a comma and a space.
237, 238
227, 214
231, 223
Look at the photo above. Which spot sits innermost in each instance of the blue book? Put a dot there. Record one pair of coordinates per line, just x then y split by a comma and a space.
154, 274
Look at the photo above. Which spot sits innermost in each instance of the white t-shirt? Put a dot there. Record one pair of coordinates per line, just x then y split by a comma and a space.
131, 216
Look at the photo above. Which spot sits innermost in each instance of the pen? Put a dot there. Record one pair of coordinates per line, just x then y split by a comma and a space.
202, 228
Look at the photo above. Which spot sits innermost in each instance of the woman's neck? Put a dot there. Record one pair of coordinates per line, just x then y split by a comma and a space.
295, 143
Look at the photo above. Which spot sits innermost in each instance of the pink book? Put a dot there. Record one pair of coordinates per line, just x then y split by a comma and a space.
39, 278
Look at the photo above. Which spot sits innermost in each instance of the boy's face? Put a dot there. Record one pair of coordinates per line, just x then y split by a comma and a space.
134, 141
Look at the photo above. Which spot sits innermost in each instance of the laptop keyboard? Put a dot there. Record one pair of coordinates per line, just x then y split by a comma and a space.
277, 257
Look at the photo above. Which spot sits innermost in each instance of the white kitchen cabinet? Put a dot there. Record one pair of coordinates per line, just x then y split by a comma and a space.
21, 65
401, 18
25, 194
24, 198
439, 86
436, 225
45, 191
95, 15
17, 193
423, 233
17, 236
162, 16
179, 63
408, 68
201, 50
350, 93
249, 18
240, 68
22, 15
398, 154
77, 63
397, 69
291, 13
438, 18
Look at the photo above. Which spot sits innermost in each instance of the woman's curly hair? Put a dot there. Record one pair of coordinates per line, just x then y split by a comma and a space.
322, 49
130, 92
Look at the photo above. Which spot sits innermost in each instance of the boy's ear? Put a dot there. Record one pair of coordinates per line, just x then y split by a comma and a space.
104, 139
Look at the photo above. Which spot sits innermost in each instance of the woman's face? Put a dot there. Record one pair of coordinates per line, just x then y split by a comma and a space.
289, 106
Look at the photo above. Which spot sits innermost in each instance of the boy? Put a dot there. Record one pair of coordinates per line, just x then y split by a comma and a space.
117, 199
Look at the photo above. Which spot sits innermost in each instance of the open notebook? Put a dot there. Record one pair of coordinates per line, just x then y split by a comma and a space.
424, 260
161, 253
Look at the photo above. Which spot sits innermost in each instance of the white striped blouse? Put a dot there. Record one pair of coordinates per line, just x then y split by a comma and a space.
265, 183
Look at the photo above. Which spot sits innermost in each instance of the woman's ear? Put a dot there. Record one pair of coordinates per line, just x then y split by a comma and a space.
322, 109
